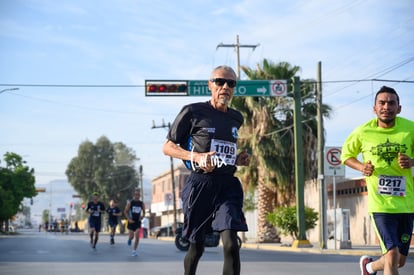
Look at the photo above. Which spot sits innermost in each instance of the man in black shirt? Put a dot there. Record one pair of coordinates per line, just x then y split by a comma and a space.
113, 213
204, 135
134, 210
95, 209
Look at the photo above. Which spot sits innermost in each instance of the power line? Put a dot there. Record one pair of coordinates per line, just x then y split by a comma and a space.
373, 76
367, 80
141, 86
71, 86
74, 85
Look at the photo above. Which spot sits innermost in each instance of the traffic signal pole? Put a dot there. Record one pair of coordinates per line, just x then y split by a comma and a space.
299, 171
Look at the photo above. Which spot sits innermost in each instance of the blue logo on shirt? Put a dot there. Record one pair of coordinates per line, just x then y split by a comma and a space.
234, 132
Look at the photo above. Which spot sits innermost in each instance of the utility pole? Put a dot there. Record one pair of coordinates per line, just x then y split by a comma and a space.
141, 183
321, 145
163, 125
237, 46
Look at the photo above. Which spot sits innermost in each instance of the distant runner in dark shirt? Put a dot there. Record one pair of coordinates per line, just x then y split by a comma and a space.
134, 210
113, 213
95, 209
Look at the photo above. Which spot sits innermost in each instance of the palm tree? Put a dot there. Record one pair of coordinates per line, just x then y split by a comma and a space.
268, 134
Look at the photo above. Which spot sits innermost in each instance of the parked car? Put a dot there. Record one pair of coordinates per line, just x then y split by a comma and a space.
164, 231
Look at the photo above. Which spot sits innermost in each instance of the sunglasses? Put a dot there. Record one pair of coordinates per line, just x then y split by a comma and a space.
220, 82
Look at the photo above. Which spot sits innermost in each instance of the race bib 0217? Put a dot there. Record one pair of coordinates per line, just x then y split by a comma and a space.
391, 185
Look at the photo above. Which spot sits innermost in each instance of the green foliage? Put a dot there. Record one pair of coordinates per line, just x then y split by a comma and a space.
284, 218
105, 167
17, 182
269, 134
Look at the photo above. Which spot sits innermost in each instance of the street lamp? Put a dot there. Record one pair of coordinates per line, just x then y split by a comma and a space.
8, 89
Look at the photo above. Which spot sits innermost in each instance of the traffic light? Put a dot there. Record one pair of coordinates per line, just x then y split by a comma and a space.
40, 189
166, 87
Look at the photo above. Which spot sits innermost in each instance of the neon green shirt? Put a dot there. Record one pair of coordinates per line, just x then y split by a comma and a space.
390, 188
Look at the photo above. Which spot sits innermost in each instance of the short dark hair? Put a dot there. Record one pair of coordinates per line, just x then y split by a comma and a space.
389, 90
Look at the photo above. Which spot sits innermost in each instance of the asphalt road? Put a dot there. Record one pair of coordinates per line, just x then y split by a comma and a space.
34, 253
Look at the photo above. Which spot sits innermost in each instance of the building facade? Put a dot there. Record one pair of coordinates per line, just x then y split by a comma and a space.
162, 207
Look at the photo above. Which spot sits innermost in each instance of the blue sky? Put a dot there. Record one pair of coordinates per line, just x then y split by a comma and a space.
124, 42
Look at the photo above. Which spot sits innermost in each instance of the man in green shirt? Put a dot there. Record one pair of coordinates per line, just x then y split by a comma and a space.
387, 147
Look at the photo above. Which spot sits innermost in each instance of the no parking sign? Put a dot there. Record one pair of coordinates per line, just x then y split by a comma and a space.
332, 162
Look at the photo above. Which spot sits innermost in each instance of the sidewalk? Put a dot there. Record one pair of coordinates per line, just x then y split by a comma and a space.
355, 250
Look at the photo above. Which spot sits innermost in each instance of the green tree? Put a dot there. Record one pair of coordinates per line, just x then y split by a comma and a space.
17, 182
269, 135
104, 167
284, 218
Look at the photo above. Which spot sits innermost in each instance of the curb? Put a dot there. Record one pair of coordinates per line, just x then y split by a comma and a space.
360, 251
374, 251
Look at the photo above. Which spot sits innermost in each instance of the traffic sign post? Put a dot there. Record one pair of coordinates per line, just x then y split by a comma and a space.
333, 167
200, 88
168, 199
332, 163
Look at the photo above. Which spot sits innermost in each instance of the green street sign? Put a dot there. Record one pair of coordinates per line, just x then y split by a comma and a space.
200, 88
243, 88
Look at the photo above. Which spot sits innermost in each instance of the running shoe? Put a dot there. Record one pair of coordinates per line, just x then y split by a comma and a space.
363, 261
129, 242
134, 253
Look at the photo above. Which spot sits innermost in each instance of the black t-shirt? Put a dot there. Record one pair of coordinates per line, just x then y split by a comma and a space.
95, 207
201, 128
135, 210
111, 211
